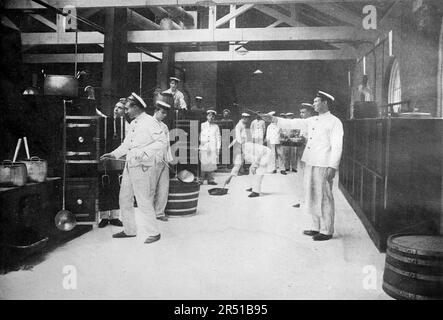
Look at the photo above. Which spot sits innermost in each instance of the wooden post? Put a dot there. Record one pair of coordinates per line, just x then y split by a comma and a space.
115, 58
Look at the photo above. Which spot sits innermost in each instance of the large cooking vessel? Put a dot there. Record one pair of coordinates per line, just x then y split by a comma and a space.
61, 85
37, 169
13, 174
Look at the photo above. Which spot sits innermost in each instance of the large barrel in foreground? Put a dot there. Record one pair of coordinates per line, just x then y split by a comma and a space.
182, 199
414, 267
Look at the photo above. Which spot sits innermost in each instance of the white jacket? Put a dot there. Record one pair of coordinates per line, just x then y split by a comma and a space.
145, 139
258, 128
273, 134
325, 138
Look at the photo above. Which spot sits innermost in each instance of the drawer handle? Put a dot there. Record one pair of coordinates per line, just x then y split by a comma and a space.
72, 153
78, 125
79, 201
81, 139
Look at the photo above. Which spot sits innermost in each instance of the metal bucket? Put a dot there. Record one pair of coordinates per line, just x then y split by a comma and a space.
13, 174
37, 169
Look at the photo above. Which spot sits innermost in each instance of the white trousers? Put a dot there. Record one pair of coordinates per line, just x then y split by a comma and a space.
289, 157
319, 201
256, 181
140, 182
278, 149
161, 190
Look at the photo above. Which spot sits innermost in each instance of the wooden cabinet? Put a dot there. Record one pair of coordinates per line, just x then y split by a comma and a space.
391, 173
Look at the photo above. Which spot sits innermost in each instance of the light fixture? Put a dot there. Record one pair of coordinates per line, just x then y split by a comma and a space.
258, 71
206, 3
241, 50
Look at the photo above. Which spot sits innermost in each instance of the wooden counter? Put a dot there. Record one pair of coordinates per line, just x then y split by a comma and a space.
391, 173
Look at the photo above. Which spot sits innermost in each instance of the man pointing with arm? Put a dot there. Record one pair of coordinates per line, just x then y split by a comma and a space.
322, 158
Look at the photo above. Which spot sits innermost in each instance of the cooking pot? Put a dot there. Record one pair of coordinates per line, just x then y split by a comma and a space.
60, 85
37, 169
13, 174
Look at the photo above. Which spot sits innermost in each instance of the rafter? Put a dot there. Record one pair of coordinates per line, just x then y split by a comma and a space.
233, 14
337, 12
206, 35
45, 21
199, 56
278, 15
27, 4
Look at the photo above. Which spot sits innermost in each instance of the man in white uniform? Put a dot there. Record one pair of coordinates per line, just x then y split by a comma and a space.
162, 186
258, 129
143, 146
242, 134
177, 95
273, 143
262, 161
290, 156
210, 144
322, 158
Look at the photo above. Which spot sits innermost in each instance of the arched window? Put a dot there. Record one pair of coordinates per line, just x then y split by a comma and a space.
394, 91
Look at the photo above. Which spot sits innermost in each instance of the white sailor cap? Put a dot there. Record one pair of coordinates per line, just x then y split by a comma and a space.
226, 110
271, 113
198, 98
162, 104
289, 114
174, 78
283, 114
305, 104
325, 95
135, 97
88, 88
244, 114
211, 111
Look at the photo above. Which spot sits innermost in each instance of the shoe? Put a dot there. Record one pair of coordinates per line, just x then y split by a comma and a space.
253, 195
283, 172
121, 234
296, 205
152, 239
310, 233
103, 223
163, 218
116, 222
321, 237
274, 171
212, 183
249, 189
294, 170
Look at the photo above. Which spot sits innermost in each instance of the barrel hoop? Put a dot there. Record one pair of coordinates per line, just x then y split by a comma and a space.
420, 252
420, 262
405, 294
183, 194
185, 200
413, 275
181, 210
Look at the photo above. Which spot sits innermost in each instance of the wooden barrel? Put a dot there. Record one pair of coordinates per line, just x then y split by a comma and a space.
414, 267
182, 199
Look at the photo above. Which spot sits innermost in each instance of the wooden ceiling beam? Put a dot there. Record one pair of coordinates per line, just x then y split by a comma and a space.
205, 35
28, 4
199, 56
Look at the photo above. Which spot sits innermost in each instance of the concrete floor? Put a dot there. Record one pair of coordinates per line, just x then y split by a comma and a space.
234, 248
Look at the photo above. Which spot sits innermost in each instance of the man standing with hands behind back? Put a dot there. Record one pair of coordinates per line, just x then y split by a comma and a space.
322, 158
143, 146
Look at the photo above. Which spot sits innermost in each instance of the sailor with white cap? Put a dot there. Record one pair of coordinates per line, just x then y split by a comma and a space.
290, 159
273, 143
197, 111
162, 178
258, 130
210, 144
143, 146
242, 134
178, 97
322, 158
